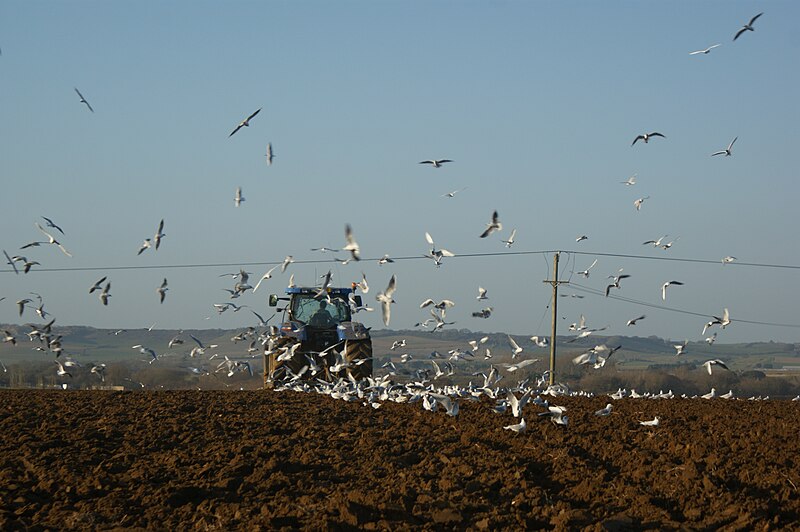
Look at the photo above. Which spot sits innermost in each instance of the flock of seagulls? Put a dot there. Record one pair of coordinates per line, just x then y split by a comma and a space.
373, 390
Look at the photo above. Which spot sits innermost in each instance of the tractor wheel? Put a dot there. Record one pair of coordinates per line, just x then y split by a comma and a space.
359, 350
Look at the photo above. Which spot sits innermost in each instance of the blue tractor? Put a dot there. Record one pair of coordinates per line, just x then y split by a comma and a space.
317, 333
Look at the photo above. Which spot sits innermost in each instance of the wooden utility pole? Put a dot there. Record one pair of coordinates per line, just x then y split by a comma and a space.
554, 283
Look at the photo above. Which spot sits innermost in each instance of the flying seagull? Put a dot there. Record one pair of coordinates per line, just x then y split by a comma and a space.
638, 203
630, 181
492, 226
646, 137
159, 235
245, 123
437, 163
727, 151
238, 199
162, 290
510, 241
11, 262
453, 193
747, 27
350, 243
704, 51
385, 298
52, 240
585, 272
664, 288
104, 295
634, 320
83, 100
708, 363
50, 223
269, 155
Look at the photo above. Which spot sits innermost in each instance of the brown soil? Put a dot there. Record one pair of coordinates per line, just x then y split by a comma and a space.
270, 460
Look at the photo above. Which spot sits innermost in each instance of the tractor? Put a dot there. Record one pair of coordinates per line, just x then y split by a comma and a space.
319, 320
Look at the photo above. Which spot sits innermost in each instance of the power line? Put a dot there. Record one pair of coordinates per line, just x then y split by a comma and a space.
600, 293
409, 258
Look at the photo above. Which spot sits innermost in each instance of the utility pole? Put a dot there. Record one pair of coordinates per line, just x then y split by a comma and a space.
554, 283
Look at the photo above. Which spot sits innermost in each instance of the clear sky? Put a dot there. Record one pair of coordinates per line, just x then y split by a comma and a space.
536, 103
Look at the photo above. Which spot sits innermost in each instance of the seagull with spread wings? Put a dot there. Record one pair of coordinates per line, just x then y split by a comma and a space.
83, 100
246, 123
385, 298
727, 151
436, 163
747, 27
707, 50
492, 226
647, 136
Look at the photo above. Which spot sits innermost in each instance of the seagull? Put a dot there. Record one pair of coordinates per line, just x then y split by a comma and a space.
484, 313
519, 427
605, 411
22, 303
510, 241
581, 237
52, 240
711, 339
162, 290
362, 285
61, 371
83, 100
50, 223
723, 322
238, 199
481, 294
351, 244
646, 137
542, 341
728, 259
680, 349
264, 277
9, 338
145, 245
727, 151
159, 234
615, 283
435, 254
710, 395
385, 298
747, 27
104, 295
707, 50
385, 260
634, 320
664, 288
556, 414
638, 203
453, 193
99, 370
585, 272
515, 348
630, 181
97, 285
246, 123
652, 423
286, 262
708, 363
492, 226
269, 155
146, 351
655, 243
437, 163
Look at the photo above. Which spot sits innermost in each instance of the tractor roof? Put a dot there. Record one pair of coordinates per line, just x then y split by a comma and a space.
312, 290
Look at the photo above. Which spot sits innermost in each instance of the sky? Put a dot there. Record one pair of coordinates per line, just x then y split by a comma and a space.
536, 103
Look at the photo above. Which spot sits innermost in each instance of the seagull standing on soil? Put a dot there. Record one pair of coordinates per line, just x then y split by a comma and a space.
519, 427
244, 123
652, 423
605, 411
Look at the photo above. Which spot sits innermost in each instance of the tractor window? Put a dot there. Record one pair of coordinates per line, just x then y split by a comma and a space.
308, 310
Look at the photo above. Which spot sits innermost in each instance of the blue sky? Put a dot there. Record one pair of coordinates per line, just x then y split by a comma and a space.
537, 104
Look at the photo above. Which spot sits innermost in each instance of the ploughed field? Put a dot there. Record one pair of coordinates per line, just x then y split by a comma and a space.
227, 460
